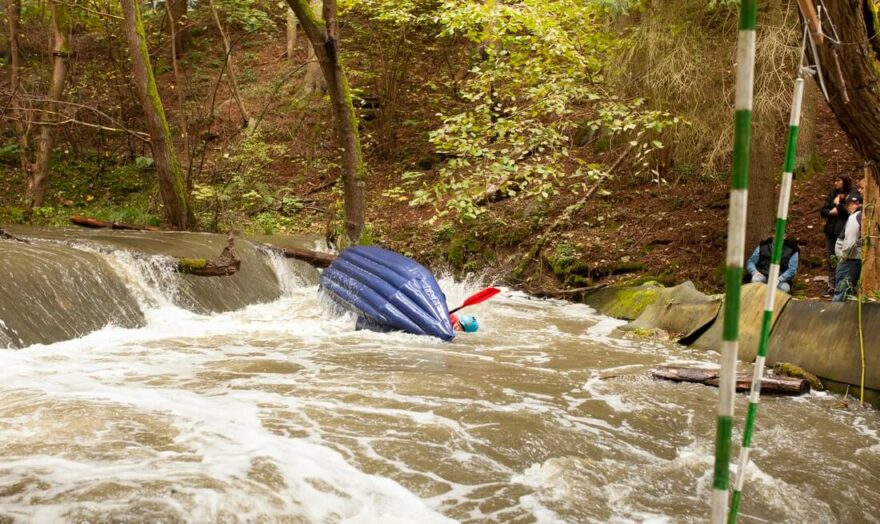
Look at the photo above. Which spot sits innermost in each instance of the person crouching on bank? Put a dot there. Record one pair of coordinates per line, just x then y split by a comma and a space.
758, 264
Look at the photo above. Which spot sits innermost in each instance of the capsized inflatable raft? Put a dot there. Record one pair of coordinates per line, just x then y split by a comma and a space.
388, 292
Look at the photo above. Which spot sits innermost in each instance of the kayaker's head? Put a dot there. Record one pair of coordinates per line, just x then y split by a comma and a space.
465, 323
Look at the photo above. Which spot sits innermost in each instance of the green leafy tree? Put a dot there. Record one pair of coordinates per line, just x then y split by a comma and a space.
537, 72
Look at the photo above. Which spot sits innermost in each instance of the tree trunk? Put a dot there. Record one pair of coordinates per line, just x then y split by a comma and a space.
854, 96
36, 184
231, 70
4, 42
314, 81
324, 37
291, 37
806, 144
13, 13
871, 230
178, 212
178, 26
181, 101
763, 167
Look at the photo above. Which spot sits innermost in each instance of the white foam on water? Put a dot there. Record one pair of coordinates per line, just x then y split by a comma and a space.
603, 328
595, 385
223, 429
192, 403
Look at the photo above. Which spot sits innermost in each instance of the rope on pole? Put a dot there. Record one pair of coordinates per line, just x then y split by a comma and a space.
770, 298
745, 74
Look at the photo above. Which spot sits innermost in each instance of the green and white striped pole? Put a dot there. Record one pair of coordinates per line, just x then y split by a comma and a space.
770, 299
745, 72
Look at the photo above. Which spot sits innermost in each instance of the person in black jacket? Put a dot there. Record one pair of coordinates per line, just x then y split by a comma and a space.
834, 212
758, 265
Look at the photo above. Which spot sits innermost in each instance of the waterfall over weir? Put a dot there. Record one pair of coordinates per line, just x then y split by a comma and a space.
67, 283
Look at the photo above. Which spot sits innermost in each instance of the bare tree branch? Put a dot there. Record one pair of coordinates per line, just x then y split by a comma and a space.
70, 120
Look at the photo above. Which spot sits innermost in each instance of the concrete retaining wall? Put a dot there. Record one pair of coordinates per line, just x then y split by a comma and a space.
820, 337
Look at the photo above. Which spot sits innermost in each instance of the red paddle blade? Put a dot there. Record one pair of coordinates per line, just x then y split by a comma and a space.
479, 296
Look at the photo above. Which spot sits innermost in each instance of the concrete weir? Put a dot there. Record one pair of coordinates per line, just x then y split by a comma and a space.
820, 337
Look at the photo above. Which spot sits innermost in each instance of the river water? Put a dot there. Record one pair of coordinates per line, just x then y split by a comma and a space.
280, 412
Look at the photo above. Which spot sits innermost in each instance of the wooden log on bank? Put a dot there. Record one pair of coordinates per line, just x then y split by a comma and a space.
94, 223
315, 258
772, 384
226, 264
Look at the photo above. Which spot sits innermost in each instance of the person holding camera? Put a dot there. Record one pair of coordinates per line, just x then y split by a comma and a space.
834, 212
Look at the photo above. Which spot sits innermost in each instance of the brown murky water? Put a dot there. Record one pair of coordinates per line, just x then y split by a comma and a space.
280, 413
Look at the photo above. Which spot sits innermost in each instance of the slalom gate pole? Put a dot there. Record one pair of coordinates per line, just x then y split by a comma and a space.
745, 74
770, 297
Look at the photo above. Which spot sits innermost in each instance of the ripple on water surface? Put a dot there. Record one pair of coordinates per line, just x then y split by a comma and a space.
276, 413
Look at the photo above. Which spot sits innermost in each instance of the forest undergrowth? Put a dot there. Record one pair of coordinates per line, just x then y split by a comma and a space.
659, 215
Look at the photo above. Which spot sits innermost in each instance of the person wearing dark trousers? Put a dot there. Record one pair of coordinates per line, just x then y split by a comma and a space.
848, 250
835, 215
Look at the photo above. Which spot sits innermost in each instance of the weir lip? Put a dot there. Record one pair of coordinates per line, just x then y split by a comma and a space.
65, 283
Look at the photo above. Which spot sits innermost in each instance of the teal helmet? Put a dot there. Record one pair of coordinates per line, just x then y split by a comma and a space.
468, 323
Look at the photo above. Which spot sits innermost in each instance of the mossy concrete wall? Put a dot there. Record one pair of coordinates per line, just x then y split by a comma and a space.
681, 311
820, 337
623, 302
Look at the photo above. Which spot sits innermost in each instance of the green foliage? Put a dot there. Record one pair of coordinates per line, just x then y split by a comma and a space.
239, 185
395, 12
640, 125
269, 223
537, 66
444, 233
12, 214
564, 255
143, 162
99, 186
9, 153
249, 15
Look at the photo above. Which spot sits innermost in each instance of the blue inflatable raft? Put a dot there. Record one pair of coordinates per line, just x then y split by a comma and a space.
388, 292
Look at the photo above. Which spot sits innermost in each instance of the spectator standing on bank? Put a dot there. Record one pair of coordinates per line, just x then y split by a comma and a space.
834, 212
848, 249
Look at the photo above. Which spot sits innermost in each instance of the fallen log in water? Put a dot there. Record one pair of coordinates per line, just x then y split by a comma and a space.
226, 264
94, 223
315, 258
770, 384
